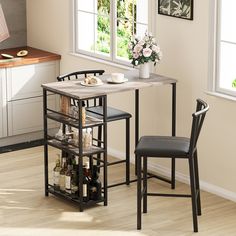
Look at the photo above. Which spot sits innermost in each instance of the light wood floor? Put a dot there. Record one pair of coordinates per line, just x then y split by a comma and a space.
25, 211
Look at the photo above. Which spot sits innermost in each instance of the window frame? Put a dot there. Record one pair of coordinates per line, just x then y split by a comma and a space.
112, 58
214, 54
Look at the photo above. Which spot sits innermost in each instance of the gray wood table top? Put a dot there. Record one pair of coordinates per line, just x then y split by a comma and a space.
74, 89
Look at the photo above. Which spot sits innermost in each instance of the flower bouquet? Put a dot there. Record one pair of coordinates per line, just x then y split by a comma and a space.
144, 50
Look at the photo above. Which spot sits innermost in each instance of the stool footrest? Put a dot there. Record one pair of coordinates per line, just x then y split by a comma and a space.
151, 175
115, 162
168, 195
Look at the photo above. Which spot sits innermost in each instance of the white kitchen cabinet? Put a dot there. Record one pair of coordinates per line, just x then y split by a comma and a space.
25, 81
3, 104
26, 115
21, 100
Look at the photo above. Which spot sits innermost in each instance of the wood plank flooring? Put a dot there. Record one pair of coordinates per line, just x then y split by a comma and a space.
24, 210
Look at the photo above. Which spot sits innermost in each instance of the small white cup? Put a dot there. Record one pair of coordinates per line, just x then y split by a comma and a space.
117, 77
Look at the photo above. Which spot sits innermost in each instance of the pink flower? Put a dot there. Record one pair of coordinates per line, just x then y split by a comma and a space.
135, 55
137, 48
147, 52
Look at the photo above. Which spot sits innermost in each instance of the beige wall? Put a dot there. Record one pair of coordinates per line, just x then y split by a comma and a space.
185, 48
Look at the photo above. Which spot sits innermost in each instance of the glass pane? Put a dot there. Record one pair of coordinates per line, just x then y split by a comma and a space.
124, 33
102, 7
125, 9
228, 17
102, 34
87, 5
227, 65
142, 11
85, 32
140, 29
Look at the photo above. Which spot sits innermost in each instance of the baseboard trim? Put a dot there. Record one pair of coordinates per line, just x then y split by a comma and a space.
20, 146
211, 188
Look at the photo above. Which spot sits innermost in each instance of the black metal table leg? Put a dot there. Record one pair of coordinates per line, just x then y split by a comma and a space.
81, 208
45, 141
105, 150
136, 124
173, 133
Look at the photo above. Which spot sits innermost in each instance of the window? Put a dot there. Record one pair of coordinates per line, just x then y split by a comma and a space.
225, 48
103, 28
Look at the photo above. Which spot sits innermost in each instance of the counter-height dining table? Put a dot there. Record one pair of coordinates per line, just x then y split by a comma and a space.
75, 90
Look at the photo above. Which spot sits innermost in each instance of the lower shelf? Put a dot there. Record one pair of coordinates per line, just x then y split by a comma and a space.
72, 199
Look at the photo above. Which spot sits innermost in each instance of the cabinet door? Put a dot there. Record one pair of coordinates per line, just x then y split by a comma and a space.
3, 104
25, 81
26, 115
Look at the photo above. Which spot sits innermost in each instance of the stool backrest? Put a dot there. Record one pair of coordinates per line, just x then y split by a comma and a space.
78, 74
197, 122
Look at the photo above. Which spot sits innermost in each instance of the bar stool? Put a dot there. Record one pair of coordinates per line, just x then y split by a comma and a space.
169, 147
113, 114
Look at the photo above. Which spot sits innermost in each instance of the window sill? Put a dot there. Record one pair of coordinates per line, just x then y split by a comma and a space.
103, 61
221, 95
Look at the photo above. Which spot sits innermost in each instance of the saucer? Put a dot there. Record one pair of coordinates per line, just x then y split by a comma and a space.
91, 85
109, 80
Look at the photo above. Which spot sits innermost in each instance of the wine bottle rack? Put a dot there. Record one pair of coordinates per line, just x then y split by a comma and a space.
97, 150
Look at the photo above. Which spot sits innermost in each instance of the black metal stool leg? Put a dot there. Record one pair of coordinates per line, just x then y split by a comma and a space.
199, 211
127, 151
173, 173
193, 193
139, 194
144, 184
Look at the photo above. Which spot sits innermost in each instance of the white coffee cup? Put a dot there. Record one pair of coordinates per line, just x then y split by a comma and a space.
117, 77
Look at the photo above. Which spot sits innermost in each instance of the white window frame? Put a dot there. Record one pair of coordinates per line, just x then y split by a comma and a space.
214, 53
112, 60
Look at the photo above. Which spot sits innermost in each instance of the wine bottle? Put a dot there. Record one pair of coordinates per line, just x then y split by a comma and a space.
62, 174
75, 177
83, 113
68, 176
56, 174
86, 181
95, 186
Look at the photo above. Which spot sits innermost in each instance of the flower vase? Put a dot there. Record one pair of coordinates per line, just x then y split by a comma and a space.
144, 72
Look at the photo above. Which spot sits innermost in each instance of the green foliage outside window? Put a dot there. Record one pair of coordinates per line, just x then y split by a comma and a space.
234, 83
124, 27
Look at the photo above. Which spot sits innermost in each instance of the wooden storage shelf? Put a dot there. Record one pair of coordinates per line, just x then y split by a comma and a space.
74, 150
89, 123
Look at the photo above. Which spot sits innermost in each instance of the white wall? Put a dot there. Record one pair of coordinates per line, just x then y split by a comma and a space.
185, 48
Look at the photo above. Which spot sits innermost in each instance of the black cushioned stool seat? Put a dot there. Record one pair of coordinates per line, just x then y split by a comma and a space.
163, 146
113, 114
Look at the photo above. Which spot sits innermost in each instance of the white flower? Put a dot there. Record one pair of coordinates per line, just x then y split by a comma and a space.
156, 48
136, 62
141, 42
146, 38
147, 52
